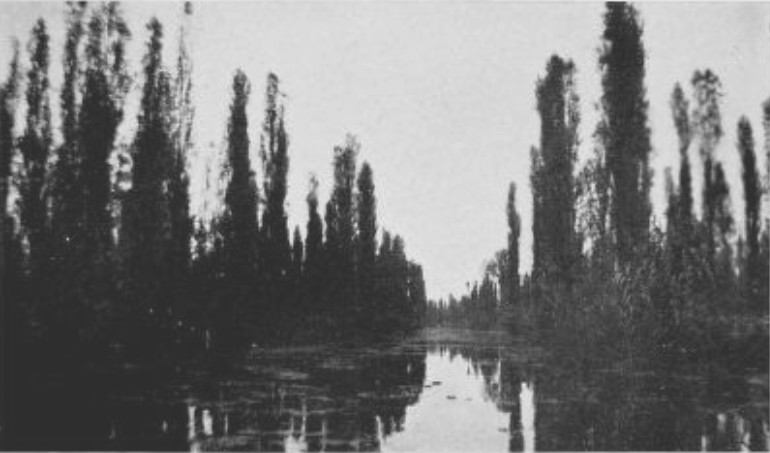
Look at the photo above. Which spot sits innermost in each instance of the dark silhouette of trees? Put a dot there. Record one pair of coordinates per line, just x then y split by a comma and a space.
512, 266
367, 238
339, 249
398, 276
241, 196
418, 301
593, 207
146, 224
764, 242
625, 135
386, 283
179, 180
679, 109
314, 252
106, 83
240, 225
8, 103
297, 254
276, 250
723, 224
752, 193
673, 222
111, 251
66, 185
707, 125
294, 280
479, 308
538, 185
36, 147
554, 172
681, 233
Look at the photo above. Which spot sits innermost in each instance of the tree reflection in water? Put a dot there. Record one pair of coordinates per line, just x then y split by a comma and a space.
464, 392
341, 400
599, 406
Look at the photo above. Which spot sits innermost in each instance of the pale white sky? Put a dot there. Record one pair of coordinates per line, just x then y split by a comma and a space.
441, 96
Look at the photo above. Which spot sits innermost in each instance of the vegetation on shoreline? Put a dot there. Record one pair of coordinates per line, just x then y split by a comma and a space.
606, 276
101, 253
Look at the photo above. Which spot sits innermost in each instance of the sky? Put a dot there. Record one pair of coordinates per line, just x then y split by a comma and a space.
440, 95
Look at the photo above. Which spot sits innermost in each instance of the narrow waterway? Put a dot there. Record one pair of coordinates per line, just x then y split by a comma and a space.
441, 390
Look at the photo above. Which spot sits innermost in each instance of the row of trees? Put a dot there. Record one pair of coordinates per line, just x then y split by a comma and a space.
98, 242
593, 227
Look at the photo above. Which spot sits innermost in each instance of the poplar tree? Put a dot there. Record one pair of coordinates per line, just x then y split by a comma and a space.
179, 180
340, 228
537, 185
707, 125
723, 224
557, 104
241, 226
35, 147
367, 237
626, 136
105, 85
752, 193
8, 104
514, 231
276, 253
67, 194
681, 231
147, 219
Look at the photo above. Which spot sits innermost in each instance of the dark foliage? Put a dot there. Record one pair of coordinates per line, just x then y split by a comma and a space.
752, 193
367, 240
35, 146
511, 271
557, 104
626, 136
276, 250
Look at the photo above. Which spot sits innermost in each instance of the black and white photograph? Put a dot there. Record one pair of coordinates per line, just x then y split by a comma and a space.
384, 225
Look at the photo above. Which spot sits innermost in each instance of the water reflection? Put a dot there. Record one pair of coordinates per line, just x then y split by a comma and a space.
471, 393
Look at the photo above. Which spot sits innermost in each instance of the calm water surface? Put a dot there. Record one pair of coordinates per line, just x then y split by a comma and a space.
439, 391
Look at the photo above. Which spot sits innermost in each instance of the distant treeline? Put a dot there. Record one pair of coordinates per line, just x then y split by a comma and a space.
99, 246
601, 263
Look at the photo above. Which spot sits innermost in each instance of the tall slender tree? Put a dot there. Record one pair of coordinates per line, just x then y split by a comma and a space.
680, 234
106, 83
626, 137
723, 224
276, 252
752, 192
367, 238
537, 185
179, 181
514, 231
67, 196
707, 125
559, 115
679, 109
8, 103
241, 238
147, 218
340, 228
35, 150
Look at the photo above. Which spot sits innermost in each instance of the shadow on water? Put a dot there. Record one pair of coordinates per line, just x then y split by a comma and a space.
441, 390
